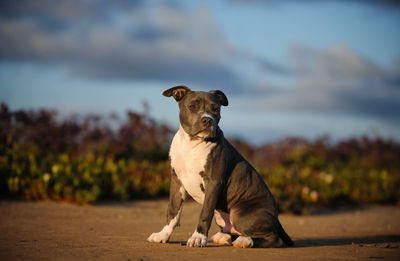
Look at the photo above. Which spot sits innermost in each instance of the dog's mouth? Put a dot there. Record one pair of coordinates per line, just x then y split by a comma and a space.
207, 133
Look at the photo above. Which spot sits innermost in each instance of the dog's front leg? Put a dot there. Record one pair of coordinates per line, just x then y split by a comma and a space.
177, 195
199, 237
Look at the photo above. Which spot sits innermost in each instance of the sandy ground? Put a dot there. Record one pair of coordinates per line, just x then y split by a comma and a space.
114, 231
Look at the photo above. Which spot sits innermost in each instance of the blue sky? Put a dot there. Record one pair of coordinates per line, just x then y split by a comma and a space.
303, 68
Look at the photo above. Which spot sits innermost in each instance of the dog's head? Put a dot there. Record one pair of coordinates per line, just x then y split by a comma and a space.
199, 112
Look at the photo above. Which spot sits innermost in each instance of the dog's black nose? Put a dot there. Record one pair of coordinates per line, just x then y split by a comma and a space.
207, 121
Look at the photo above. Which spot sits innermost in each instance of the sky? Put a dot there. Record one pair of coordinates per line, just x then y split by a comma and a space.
289, 68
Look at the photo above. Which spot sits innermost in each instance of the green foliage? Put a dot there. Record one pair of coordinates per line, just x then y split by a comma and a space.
85, 160
85, 179
81, 162
306, 174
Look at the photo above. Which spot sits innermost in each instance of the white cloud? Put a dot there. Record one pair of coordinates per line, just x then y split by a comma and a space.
336, 80
167, 43
154, 41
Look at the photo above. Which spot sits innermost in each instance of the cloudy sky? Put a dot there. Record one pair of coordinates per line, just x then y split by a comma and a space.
305, 68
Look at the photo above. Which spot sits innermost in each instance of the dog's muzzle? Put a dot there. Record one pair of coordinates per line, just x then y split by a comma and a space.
207, 127
207, 122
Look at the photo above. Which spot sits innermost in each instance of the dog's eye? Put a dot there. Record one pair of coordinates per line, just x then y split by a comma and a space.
192, 107
215, 109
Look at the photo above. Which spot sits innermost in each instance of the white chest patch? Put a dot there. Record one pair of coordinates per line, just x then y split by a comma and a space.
188, 159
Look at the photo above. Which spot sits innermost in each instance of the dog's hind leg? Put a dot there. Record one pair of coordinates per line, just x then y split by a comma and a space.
221, 238
258, 223
243, 242
224, 237
269, 240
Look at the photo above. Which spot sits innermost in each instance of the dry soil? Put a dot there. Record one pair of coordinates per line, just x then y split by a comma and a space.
114, 231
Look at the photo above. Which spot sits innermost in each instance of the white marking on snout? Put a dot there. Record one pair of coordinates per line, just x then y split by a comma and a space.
188, 159
208, 115
214, 124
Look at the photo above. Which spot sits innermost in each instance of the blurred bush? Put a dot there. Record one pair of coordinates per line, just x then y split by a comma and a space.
82, 160
303, 174
87, 159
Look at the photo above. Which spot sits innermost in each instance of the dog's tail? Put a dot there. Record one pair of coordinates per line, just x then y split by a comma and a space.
285, 237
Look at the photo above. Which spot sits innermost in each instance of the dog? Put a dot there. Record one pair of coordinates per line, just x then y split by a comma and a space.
208, 168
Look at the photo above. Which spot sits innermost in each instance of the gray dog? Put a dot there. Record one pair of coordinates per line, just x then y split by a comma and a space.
207, 167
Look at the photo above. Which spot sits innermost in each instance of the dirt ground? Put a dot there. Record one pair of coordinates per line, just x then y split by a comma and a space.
115, 231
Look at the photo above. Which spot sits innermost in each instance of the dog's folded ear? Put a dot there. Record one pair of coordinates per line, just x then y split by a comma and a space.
178, 92
221, 97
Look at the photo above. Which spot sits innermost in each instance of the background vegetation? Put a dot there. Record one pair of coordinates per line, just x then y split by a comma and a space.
87, 159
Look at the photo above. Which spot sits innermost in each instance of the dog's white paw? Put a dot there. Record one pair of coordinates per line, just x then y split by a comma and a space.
243, 242
222, 238
197, 240
159, 237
